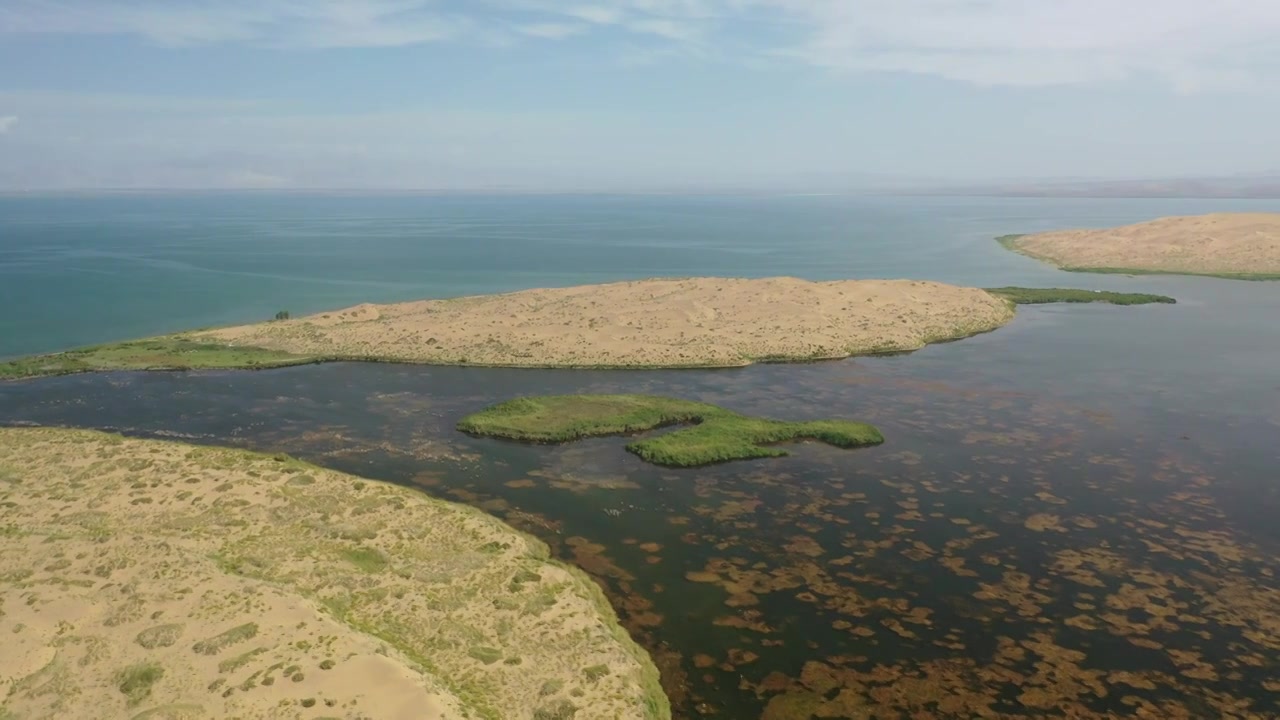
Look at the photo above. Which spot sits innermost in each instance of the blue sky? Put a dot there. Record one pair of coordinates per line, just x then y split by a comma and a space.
631, 94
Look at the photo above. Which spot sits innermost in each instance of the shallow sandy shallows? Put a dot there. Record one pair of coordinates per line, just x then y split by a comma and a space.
152, 580
669, 323
1224, 243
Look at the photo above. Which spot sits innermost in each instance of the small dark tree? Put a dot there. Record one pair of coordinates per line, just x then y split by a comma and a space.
282, 315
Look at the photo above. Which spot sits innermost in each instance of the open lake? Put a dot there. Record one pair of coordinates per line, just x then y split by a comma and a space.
1073, 516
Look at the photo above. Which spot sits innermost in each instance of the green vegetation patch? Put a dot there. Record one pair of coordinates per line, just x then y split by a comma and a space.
220, 642
367, 559
172, 712
485, 654
239, 661
135, 681
173, 352
1041, 296
717, 435
1010, 242
160, 636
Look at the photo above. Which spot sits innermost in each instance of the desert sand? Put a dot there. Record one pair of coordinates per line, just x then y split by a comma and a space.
1246, 244
713, 322
152, 580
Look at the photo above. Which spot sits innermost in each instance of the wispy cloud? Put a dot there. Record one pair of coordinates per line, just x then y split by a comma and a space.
300, 23
553, 30
1188, 44
7, 122
1042, 42
681, 30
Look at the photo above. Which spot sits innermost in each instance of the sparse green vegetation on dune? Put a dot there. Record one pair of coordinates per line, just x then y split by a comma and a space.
1041, 296
1230, 246
152, 579
717, 435
170, 352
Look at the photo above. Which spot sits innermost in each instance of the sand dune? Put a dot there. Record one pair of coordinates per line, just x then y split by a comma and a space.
152, 580
1220, 244
668, 323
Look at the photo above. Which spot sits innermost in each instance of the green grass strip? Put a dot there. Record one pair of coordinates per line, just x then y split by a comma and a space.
717, 435
1041, 296
171, 352
1254, 277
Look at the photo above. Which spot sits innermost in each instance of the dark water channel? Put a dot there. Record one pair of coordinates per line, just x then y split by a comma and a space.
1073, 516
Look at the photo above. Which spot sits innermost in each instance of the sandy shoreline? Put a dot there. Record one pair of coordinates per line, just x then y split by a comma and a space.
697, 322
154, 579
1243, 245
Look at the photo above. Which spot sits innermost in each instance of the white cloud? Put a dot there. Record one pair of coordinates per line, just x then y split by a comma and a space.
301, 23
1186, 44
7, 122
598, 14
665, 28
553, 30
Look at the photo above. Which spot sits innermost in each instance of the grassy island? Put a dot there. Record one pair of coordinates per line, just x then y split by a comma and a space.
148, 579
1234, 246
1042, 296
717, 435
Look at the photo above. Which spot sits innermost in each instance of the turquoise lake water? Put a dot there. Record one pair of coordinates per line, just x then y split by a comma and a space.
1073, 516
82, 270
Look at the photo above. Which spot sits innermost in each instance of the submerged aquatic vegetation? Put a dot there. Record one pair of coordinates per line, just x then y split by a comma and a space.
1042, 296
718, 435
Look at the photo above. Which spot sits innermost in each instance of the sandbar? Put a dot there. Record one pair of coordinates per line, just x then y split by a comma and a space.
1243, 246
696, 322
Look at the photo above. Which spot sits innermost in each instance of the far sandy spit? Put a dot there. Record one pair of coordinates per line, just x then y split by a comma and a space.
1244, 246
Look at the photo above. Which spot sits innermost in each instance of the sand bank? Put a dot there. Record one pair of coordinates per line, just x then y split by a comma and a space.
145, 579
698, 322
1236, 245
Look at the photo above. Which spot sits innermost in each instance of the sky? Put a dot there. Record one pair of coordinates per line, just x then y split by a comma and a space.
615, 95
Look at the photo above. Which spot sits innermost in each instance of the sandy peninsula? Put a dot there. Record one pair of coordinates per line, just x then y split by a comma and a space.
1236, 245
698, 322
152, 580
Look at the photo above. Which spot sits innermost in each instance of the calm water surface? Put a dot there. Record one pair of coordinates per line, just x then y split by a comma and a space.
1073, 516
82, 270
